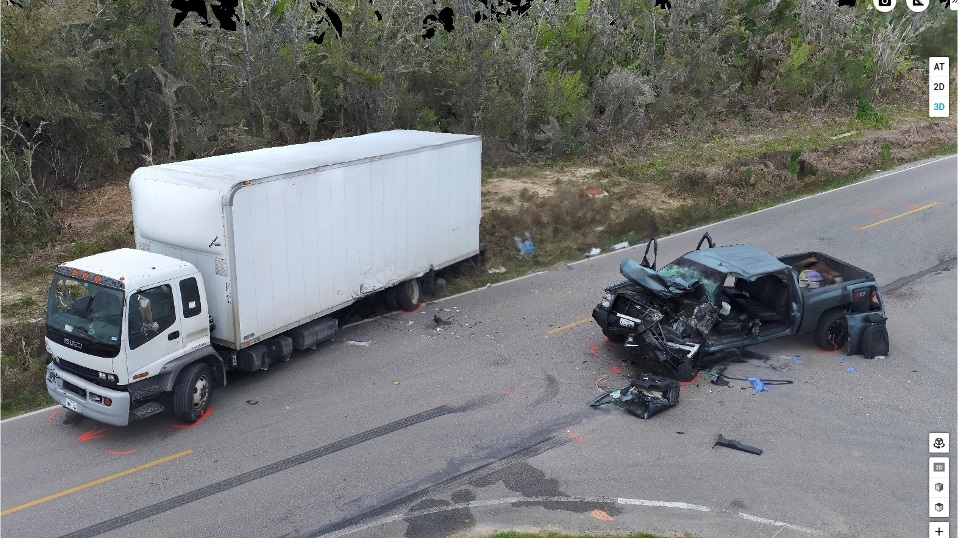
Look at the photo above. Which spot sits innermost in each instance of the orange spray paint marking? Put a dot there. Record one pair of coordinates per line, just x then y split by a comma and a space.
615, 369
418, 308
91, 435
594, 350
54, 414
574, 437
127, 452
198, 421
600, 514
509, 393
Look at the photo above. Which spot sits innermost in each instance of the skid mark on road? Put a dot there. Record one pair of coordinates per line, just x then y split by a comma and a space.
270, 469
365, 519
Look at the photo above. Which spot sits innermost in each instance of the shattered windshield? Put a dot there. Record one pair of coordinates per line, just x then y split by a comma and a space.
85, 316
689, 271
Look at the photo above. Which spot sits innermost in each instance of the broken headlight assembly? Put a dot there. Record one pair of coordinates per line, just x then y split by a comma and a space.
607, 300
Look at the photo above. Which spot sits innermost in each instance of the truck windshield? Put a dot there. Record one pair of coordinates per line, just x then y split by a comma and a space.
689, 271
85, 316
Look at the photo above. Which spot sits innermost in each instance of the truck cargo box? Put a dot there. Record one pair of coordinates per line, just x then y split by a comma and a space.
286, 235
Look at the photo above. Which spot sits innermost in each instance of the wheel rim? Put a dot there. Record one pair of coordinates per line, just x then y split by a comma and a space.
201, 392
837, 334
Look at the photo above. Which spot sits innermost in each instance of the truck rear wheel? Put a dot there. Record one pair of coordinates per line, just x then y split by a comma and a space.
191, 396
832, 331
407, 295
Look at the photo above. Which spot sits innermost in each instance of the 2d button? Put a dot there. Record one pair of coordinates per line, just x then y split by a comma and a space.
938, 442
938, 467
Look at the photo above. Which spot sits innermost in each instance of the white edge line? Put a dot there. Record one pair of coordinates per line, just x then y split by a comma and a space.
761, 520
765, 209
28, 414
656, 503
567, 499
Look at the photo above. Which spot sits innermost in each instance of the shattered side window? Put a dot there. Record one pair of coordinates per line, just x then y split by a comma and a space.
689, 271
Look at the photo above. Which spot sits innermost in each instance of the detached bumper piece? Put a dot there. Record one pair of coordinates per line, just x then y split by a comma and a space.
734, 444
644, 397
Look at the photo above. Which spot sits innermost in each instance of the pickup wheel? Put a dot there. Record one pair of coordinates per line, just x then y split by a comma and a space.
407, 295
686, 372
191, 396
832, 331
614, 338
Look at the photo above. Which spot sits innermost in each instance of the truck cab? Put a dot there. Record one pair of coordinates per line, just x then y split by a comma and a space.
118, 326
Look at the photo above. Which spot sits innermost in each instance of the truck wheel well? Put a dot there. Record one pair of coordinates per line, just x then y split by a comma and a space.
217, 367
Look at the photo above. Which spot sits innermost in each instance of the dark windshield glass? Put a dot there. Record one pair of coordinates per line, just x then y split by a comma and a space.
689, 271
85, 316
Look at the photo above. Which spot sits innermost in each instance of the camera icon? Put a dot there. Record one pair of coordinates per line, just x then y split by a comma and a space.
885, 5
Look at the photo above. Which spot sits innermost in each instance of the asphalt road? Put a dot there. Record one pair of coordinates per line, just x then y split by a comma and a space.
484, 425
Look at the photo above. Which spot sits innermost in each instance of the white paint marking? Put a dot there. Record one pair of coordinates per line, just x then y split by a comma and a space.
28, 414
559, 499
656, 503
761, 520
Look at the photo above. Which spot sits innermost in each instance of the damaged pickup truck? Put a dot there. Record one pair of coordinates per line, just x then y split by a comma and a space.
719, 298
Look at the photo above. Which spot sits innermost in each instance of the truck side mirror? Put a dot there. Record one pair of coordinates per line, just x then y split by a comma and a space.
146, 313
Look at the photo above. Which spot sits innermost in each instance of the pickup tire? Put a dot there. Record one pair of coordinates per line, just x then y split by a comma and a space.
191, 395
686, 372
408, 294
614, 338
832, 331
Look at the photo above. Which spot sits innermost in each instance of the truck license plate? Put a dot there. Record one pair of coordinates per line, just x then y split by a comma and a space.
71, 404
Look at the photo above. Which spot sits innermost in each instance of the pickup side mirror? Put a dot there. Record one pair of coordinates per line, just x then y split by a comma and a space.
704, 238
654, 245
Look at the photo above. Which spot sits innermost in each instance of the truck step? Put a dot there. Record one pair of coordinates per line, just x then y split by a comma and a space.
148, 409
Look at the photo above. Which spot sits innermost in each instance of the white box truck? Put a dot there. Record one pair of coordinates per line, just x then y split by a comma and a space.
242, 258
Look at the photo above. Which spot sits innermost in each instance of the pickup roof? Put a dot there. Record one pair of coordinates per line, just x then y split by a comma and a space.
736, 296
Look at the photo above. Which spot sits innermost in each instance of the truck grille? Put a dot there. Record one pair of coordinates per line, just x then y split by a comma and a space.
85, 373
631, 308
74, 389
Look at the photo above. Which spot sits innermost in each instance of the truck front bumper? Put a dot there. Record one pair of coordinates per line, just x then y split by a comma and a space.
72, 391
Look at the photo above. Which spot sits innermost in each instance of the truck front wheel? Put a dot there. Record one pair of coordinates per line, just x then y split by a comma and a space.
832, 331
191, 396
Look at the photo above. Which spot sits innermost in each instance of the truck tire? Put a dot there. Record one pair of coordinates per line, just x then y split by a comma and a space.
191, 396
389, 298
407, 295
832, 331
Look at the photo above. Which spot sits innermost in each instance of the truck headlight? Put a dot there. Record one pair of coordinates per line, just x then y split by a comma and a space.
108, 377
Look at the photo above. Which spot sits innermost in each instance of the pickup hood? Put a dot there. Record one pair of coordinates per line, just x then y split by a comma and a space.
665, 287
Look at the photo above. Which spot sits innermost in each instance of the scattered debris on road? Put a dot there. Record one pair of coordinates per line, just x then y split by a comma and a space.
440, 322
357, 343
644, 397
497, 269
734, 444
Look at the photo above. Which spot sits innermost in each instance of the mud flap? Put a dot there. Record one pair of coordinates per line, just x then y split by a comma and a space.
867, 334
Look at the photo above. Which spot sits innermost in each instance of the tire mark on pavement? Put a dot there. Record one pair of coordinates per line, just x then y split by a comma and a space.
270, 469
359, 522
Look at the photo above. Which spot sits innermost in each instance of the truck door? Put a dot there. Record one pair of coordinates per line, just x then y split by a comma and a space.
867, 334
153, 328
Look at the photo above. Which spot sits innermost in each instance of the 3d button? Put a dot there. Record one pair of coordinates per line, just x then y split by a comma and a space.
938, 442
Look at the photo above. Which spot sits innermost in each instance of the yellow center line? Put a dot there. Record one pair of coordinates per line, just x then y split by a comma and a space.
97, 482
567, 326
897, 216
